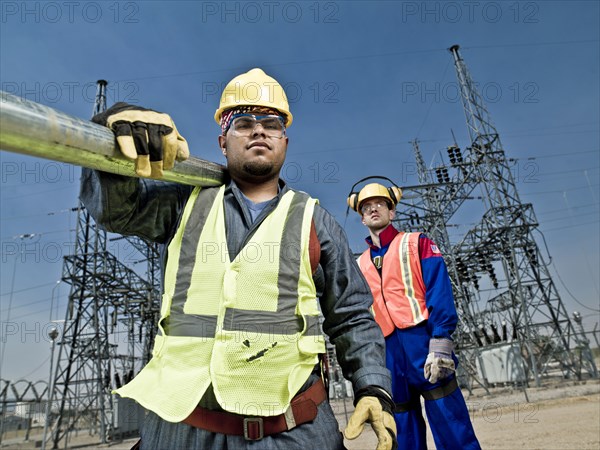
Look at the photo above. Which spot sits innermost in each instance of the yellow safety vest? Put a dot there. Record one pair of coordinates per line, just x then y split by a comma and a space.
250, 327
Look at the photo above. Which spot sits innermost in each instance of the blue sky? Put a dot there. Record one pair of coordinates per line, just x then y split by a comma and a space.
363, 78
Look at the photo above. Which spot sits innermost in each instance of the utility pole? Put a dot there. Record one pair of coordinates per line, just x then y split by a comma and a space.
104, 294
52, 334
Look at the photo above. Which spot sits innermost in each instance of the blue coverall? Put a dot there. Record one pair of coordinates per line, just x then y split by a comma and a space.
407, 350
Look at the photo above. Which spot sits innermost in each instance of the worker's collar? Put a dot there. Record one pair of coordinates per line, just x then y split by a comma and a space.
252, 212
385, 237
232, 187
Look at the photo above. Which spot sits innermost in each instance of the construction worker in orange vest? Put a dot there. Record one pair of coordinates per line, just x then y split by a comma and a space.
414, 306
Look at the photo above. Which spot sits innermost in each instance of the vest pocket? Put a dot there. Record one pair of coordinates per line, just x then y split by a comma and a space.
159, 339
312, 342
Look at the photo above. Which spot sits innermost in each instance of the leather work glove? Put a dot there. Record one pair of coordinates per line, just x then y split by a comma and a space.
373, 405
439, 363
147, 137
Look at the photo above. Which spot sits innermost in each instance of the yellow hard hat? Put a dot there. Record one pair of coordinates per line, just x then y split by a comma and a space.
254, 88
392, 194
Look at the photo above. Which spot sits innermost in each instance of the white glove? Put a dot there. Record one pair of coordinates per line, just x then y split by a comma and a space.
439, 363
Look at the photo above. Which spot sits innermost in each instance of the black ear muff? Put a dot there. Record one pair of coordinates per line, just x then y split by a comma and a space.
394, 191
353, 200
395, 194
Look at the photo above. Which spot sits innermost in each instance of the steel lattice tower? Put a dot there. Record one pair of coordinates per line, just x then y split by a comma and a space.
517, 300
427, 210
109, 327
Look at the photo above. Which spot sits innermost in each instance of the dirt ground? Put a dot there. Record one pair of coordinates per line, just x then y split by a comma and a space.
563, 417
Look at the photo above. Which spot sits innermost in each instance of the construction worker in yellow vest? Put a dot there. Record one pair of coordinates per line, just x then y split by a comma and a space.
414, 306
248, 269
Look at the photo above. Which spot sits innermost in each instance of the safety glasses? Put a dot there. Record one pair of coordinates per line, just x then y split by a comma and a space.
366, 208
243, 125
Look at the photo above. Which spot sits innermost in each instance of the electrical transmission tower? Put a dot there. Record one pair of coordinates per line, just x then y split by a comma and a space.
502, 286
108, 330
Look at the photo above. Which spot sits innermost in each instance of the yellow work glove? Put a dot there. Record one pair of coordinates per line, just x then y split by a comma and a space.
147, 137
375, 407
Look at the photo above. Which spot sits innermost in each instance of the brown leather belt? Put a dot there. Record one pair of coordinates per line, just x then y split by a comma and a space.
303, 408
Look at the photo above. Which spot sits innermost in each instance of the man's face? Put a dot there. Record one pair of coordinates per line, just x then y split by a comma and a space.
376, 214
253, 158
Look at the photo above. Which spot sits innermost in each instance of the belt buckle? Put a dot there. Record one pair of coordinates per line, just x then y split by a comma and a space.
261, 430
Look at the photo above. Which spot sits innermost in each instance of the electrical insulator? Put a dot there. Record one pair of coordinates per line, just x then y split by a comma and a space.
485, 335
530, 251
477, 338
458, 155
493, 277
438, 174
497, 337
495, 283
461, 267
445, 175
451, 156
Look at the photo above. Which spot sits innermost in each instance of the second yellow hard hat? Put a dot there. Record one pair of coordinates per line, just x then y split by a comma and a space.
392, 194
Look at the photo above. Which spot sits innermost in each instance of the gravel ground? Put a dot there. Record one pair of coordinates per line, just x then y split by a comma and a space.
560, 417
566, 416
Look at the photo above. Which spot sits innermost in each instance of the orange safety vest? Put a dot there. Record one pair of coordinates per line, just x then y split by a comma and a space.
399, 292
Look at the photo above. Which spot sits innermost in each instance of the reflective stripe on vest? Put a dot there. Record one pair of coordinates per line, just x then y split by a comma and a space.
399, 292
248, 326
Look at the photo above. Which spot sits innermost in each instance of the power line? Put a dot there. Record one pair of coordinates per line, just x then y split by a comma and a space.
401, 143
350, 58
39, 235
543, 213
27, 304
28, 289
560, 172
552, 134
31, 314
563, 125
36, 369
284, 64
572, 226
534, 44
431, 104
595, 213
569, 292
51, 213
38, 193
554, 155
560, 191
